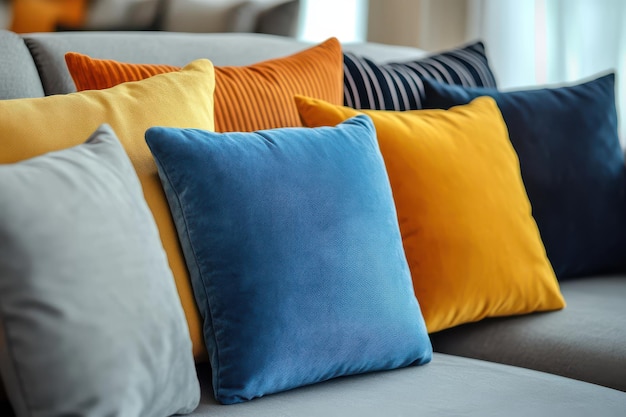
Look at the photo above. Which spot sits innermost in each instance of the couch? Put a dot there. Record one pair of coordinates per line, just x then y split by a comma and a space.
570, 362
272, 17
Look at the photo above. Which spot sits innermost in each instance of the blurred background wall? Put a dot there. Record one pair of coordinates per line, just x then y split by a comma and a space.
279, 17
529, 42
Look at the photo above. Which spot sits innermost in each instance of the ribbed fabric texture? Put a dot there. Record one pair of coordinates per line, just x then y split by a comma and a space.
399, 86
247, 98
97, 74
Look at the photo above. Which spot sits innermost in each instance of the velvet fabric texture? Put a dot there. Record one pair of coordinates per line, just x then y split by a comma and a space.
294, 250
572, 166
399, 85
91, 321
247, 98
472, 245
31, 127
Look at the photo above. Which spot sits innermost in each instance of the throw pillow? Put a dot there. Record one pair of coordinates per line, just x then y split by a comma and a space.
92, 323
470, 239
572, 165
31, 127
399, 85
295, 255
247, 98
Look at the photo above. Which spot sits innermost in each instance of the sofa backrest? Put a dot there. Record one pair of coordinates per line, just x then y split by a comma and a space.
33, 65
18, 73
48, 50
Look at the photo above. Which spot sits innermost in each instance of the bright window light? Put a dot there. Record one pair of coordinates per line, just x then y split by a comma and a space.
343, 19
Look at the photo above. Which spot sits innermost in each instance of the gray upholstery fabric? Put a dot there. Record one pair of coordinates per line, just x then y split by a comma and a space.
48, 50
156, 48
585, 341
448, 386
18, 74
91, 322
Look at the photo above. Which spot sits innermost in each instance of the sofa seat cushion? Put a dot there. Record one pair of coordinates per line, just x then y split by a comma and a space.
448, 386
585, 341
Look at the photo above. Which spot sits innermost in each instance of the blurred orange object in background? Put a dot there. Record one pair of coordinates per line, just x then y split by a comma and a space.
47, 15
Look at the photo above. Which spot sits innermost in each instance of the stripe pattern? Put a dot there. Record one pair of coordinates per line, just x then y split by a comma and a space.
399, 86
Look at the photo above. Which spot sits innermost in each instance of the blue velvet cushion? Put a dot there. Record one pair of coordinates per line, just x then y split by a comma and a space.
399, 85
572, 166
294, 252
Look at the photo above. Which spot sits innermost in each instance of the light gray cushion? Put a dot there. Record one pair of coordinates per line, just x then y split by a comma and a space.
91, 320
448, 386
18, 74
586, 340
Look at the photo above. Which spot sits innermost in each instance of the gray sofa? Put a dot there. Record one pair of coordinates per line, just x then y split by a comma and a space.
276, 17
570, 362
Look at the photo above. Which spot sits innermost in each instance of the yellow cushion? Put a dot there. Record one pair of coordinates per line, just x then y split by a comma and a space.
472, 245
183, 98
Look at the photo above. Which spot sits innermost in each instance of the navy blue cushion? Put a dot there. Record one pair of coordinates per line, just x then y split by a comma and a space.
399, 85
294, 252
572, 166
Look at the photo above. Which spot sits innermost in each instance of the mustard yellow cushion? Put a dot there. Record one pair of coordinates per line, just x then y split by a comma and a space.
184, 98
472, 245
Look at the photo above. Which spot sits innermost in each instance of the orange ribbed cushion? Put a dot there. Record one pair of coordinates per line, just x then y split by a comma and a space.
247, 98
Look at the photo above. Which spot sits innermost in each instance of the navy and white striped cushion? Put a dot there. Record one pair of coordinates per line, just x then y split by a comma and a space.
399, 86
